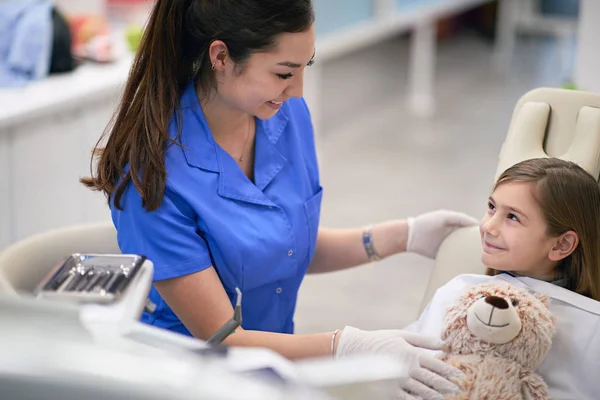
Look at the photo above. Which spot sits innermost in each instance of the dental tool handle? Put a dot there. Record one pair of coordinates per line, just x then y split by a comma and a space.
223, 332
238, 300
231, 325
237, 312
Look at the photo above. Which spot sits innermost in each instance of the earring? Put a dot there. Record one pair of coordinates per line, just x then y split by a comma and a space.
213, 66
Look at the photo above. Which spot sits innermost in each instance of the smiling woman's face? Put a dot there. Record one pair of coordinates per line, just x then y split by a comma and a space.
267, 79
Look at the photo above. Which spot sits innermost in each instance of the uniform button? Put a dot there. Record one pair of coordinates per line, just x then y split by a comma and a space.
290, 253
278, 290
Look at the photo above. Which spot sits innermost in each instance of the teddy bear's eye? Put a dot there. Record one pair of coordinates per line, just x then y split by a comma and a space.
480, 296
514, 302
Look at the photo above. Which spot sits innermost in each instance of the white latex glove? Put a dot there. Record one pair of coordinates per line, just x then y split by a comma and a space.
427, 376
426, 232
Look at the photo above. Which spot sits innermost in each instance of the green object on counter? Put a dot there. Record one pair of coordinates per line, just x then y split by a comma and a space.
570, 86
134, 37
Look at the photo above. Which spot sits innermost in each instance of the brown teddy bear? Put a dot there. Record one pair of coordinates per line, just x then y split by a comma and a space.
498, 335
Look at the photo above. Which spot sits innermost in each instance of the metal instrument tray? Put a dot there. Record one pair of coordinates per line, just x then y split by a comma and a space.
100, 278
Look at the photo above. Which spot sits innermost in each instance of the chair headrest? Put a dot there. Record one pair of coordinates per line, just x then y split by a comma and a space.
550, 122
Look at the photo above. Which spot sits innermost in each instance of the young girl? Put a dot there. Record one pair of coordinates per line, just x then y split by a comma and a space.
542, 231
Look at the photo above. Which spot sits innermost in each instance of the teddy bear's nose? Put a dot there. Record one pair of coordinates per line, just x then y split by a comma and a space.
497, 302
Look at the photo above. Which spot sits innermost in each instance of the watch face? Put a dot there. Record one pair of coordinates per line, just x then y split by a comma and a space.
91, 277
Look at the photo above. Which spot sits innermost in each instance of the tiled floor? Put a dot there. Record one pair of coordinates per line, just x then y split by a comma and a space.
378, 162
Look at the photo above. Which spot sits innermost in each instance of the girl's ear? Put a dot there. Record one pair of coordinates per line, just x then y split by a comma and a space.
564, 246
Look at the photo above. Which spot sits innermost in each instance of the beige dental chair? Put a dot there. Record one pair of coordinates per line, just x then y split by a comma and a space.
545, 122
24, 264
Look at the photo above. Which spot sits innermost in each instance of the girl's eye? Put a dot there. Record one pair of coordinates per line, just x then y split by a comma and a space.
513, 217
285, 76
491, 207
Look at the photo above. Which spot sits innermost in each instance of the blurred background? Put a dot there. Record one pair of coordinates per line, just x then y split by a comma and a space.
411, 101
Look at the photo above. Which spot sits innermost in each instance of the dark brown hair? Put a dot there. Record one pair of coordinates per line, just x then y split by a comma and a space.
173, 50
569, 199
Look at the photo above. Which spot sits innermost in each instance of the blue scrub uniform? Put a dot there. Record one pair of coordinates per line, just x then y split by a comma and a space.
258, 236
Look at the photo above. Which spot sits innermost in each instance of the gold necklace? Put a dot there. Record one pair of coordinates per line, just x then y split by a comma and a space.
241, 158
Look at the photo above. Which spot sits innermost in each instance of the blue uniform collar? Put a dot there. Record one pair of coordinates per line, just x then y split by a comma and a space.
199, 147
201, 150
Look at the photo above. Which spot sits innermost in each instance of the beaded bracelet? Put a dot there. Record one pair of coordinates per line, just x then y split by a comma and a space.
368, 244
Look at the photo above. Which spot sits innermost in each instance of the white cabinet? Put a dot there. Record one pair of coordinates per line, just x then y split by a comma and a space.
47, 132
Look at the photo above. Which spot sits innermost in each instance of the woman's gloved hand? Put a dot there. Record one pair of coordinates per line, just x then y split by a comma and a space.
426, 232
427, 376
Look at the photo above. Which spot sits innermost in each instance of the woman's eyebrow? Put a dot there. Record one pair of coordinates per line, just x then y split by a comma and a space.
289, 64
293, 64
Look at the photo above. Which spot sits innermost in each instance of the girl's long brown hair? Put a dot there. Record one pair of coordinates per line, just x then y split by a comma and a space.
173, 50
569, 198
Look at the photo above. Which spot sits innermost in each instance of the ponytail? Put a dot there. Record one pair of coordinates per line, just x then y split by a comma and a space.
139, 128
174, 49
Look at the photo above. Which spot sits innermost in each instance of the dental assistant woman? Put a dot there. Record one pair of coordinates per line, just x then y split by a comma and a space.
211, 171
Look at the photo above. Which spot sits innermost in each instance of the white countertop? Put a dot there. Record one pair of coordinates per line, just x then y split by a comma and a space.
59, 92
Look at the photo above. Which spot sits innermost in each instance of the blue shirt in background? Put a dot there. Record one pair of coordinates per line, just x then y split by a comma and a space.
25, 41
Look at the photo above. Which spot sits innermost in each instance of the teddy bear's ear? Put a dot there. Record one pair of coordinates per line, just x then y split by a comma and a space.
543, 297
